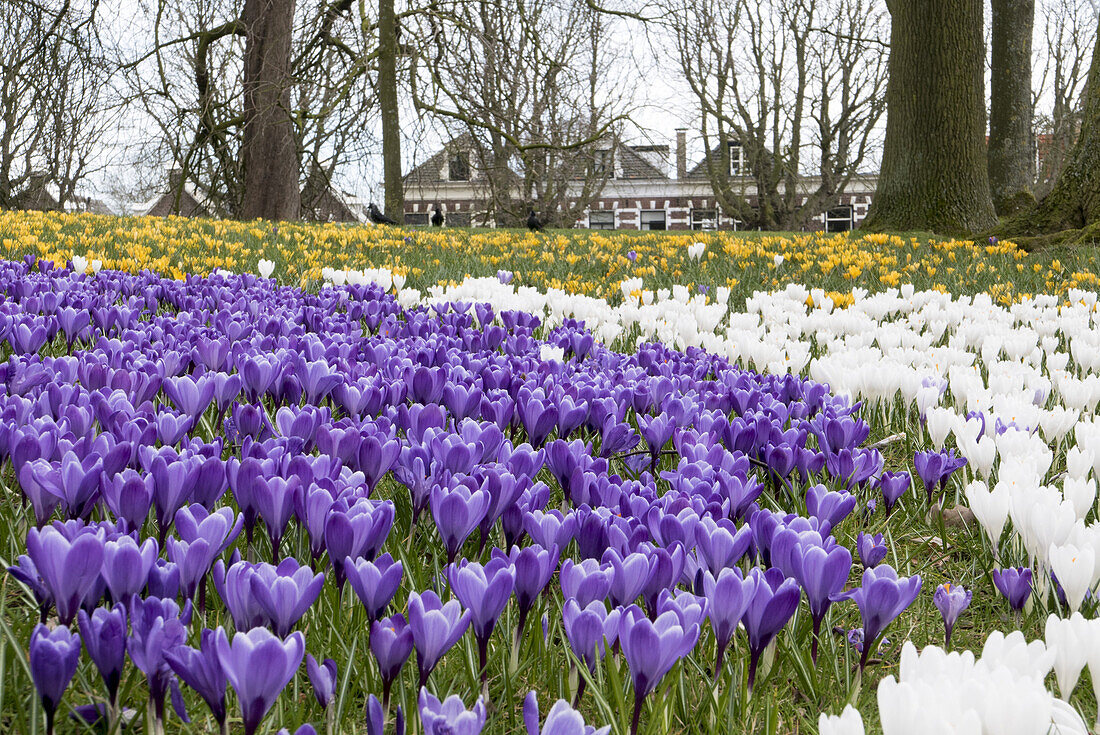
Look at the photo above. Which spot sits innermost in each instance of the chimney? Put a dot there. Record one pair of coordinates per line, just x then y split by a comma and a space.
681, 153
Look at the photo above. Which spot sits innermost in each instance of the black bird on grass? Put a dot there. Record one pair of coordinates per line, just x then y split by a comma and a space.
378, 218
437, 217
534, 224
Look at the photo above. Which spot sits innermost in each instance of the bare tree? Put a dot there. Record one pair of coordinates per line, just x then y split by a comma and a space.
250, 142
791, 89
532, 87
1069, 33
56, 104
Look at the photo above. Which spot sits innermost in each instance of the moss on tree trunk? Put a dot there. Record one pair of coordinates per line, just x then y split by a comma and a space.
934, 166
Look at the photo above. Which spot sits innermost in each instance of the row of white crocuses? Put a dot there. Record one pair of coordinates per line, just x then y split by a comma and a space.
1002, 692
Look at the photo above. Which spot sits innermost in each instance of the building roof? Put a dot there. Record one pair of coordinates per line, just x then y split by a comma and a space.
633, 162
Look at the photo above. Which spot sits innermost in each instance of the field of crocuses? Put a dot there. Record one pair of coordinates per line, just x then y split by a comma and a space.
379, 495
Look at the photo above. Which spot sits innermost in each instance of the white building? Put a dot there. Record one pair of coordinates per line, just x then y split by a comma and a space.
641, 193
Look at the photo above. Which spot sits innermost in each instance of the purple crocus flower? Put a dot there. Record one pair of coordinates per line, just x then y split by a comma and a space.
587, 581
68, 568
720, 544
534, 566
1015, 584
774, 600
126, 566
323, 678
374, 582
934, 468
377, 454
201, 670
872, 549
450, 716
258, 666
54, 656
164, 580
129, 496
156, 627
73, 481
358, 532
285, 593
104, 635
629, 576
728, 597
631, 255
589, 631
561, 720
828, 507
505, 277
484, 591
951, 600
435, 628
551, 528
391, 643
893, 485
457, 511
275, 498
651, 649
191, 395
376, 718
539, 417
234, 586
821, 571
882, 597
656, 431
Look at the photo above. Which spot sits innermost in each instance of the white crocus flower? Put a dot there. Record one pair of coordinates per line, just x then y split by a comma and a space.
848, 722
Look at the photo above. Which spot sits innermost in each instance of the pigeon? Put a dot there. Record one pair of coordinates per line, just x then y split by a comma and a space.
378, 218
437, 217
534, 224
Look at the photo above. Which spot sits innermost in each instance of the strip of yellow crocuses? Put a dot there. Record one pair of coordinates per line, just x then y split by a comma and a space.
583, 262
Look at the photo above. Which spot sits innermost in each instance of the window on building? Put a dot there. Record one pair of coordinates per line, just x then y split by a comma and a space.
458, 166
458, 219
653, 219
416, 219
601, 220
838, 219
704, 219
737, 159
603, 164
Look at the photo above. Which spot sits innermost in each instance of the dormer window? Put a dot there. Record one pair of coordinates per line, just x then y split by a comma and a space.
458, 166
737, 159
603, 163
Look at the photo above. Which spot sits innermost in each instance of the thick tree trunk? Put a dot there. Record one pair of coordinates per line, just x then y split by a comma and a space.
391, 120
1074, 202
269, 151
934, 173
1011, 159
